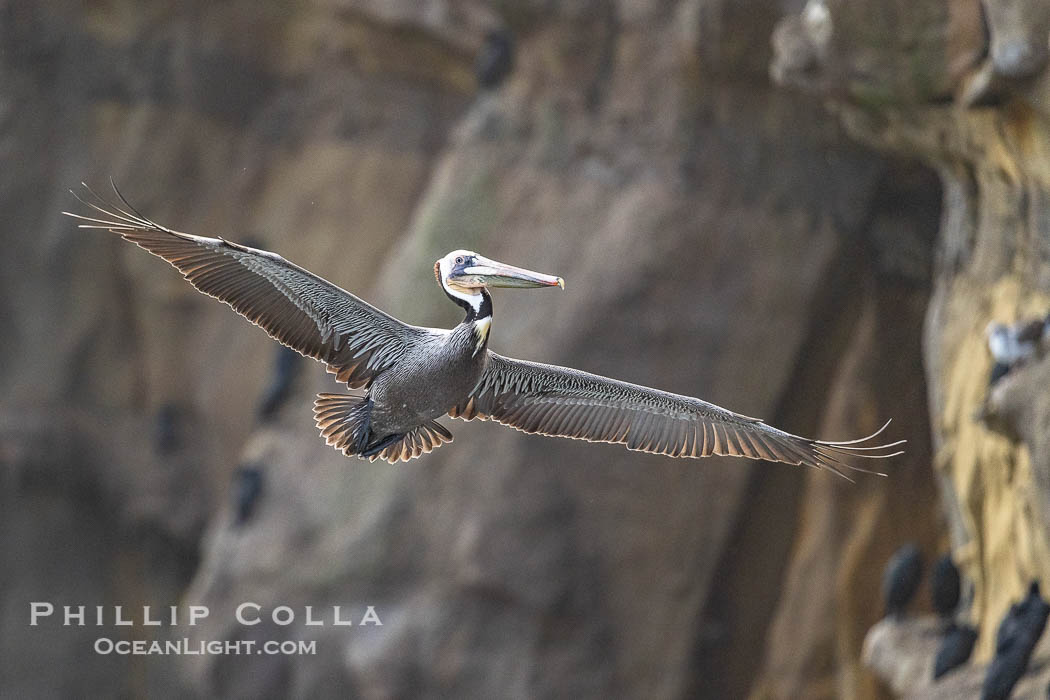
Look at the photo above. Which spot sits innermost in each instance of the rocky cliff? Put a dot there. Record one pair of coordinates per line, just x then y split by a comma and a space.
822, 250
975, 110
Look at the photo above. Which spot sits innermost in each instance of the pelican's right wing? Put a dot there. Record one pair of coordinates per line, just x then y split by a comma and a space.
296, 307
564, 402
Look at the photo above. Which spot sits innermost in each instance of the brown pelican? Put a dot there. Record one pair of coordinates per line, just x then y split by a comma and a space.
407, 376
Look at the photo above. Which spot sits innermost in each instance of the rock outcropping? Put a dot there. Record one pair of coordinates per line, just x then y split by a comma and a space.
975, 110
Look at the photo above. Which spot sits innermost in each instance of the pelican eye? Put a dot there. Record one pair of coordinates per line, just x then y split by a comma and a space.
459, 260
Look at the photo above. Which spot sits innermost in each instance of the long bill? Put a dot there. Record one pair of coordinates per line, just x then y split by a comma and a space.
497, 274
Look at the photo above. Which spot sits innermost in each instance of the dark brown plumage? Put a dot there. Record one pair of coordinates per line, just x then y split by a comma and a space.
408, 375
353, 338
564, 402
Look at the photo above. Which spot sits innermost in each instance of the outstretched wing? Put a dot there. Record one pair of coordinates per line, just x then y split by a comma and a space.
564, 402
296, 307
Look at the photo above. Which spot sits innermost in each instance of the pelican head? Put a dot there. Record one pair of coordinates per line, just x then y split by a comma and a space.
467, 272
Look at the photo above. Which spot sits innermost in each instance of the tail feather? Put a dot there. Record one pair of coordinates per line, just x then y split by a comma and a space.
344, 421
345, 424
416, 442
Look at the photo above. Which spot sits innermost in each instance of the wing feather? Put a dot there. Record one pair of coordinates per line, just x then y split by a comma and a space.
354, 339
564, 402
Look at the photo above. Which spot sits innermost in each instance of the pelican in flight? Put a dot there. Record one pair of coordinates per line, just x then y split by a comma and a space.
406, 376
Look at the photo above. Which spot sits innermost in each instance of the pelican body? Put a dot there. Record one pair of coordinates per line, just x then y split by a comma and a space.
404, 377
429, 378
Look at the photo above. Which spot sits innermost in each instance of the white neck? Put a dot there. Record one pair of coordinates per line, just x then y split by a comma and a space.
473, 299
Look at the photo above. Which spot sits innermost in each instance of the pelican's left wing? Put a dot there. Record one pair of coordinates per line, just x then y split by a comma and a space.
564, 402
307, 313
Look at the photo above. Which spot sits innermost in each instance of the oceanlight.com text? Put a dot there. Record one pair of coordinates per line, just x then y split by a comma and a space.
187, 647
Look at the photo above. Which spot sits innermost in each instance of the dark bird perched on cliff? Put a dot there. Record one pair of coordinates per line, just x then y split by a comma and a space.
945, 586
1014, 641
495, 60
285, 367
407, 375
955, 648
901, 578
958, 639
1015, 344
247, 488
166, 429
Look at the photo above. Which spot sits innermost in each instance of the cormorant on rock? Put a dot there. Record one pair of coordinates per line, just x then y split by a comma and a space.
1014, 641
495, 60
165, 429
945, 586
1015, 344
901, 579
247, 488
285, 368
955, 649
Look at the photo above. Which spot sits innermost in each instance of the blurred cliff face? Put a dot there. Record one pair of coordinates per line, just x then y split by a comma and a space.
720, 237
